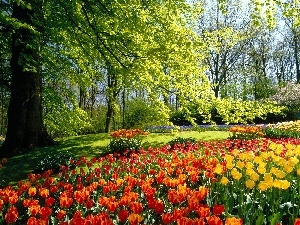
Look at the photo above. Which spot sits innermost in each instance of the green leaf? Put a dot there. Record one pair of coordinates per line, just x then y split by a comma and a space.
260, 220
274, 218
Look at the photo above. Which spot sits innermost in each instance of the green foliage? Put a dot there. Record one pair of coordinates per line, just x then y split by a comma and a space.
124, 146
182, 141
145, 45
237, 111
3, 176
228, 111
98, 119
139, 114
3, 181
54, 162
281, 133
64, 118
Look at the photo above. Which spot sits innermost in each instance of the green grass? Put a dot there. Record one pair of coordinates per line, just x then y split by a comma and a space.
93, 145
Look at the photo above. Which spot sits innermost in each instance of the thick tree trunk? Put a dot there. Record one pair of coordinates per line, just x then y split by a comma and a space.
25, 122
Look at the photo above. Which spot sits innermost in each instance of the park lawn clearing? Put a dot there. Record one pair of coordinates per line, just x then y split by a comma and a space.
90, 146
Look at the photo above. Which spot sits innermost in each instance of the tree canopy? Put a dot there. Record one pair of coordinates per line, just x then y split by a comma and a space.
151, 46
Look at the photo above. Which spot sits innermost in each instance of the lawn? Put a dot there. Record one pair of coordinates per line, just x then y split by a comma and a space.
89, 146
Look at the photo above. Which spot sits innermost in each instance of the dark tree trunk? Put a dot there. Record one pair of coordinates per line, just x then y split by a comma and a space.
25, 122
112, 94
109, 116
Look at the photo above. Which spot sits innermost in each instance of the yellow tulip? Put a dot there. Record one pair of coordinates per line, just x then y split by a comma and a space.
287, 168
293, 161
254, 176
280, 174
297, 150
249, 165
224, 180
268, 177
279, 149
261, 170
249, 171
281, 184
262, 185
240, 164
237, 175
289, 146
229, 165
235, 152
250, 184
281, 162
257, 160
285, 184
218, 169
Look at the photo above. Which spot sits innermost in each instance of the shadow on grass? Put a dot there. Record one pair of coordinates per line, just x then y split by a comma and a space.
18, 167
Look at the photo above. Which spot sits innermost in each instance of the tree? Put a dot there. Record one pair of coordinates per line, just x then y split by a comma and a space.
149, 46
25, 123
87, 36
226, 30
133, 49
5, 72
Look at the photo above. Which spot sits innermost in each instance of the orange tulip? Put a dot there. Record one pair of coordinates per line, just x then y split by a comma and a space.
135, 219
233, 221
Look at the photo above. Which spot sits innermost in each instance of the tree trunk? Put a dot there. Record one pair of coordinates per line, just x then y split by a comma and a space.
296, 57
109, 116
25, 122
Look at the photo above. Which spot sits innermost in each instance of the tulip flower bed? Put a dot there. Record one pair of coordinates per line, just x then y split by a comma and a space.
291, 125
174, 129
246, 132
218, 182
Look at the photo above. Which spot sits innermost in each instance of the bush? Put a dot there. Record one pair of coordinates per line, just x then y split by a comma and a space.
139, 114
124, 146
125, 141
54, 162
183, 142
287, 114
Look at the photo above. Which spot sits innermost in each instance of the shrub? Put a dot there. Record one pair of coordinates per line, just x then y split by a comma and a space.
139, 113
124, 146
125, 141
183, 142
54, 162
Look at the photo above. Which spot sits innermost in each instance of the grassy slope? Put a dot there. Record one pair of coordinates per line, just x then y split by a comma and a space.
18, 167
